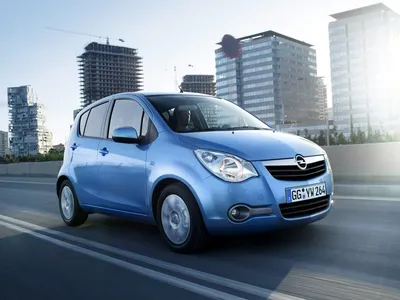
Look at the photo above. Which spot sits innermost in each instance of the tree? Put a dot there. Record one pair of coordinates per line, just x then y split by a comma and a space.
307, 135
369, 133
375, 137
52, 155
333, 136
353, 137
341, 139
321, 139
360, 137
388, 137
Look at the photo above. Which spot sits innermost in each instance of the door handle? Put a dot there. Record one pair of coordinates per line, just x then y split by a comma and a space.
74, 146
104, 151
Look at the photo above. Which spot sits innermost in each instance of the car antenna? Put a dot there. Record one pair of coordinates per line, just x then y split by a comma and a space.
176, 81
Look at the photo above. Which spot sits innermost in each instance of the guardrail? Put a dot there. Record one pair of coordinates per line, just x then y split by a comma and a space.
38, 169
373, 163
364, 163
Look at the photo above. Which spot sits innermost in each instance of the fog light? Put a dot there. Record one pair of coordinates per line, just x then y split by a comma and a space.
235, 213
239, 213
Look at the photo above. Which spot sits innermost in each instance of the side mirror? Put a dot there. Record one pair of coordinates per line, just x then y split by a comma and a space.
126, 135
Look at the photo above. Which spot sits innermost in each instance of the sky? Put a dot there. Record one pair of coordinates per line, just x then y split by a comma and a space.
166, 34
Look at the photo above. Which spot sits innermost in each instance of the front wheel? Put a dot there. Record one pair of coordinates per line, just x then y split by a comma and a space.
70, 210
179, 220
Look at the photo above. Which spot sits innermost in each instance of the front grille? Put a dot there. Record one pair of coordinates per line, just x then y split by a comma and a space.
294, 173
304, 208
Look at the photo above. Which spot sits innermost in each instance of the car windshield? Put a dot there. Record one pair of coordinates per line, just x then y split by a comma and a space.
194, 113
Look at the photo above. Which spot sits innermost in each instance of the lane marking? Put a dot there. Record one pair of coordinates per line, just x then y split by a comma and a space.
368, 198
207, 277
187, 285
328, 285
28, 182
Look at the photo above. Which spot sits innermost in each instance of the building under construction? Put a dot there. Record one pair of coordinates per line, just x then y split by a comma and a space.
107, 69
204, 84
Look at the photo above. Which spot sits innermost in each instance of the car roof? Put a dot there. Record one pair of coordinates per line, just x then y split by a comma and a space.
148, 93
141, 93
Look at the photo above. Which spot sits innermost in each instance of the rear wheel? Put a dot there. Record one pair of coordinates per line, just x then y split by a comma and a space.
70, 210
180, 221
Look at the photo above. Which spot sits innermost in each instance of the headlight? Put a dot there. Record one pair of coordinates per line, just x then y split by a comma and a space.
225, 166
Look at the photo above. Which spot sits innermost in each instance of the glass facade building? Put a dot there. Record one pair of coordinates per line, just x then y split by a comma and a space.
365, 67
323, 99
27, 127
275, 78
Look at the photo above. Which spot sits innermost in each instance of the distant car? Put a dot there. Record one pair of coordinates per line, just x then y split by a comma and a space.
194, 165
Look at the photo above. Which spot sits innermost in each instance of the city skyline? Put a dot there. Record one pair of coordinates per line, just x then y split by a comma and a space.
50, 65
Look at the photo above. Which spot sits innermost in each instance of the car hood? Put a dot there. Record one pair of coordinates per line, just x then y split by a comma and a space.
253, 144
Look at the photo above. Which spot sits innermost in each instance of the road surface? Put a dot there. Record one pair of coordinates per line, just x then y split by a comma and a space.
354, 253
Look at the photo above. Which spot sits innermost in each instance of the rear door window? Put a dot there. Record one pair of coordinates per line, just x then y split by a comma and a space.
95, 121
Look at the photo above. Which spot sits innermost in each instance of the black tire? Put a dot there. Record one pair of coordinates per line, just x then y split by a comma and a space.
79, 216
198, 236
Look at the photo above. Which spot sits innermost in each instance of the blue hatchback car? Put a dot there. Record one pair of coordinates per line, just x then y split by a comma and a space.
192, 164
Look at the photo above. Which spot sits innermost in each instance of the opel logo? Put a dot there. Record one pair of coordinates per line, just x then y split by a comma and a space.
301, 162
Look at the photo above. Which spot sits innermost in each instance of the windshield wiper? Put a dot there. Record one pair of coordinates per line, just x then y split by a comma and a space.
225, 129
203, 129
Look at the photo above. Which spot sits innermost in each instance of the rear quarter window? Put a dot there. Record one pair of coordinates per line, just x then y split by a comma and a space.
82, 122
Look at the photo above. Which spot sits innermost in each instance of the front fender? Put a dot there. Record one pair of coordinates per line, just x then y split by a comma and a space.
190, 174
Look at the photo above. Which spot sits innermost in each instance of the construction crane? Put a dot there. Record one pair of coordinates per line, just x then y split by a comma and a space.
92, 35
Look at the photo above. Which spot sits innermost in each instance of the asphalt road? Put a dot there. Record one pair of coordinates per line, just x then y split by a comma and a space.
354, 253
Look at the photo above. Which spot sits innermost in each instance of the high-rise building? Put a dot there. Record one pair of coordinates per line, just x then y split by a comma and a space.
27, 127
76, 112
203, 84
365, 67
4, 147
275, 78
322, 99
330, 113
107, 69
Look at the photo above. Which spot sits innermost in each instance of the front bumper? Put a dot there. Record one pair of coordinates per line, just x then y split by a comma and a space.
216, 197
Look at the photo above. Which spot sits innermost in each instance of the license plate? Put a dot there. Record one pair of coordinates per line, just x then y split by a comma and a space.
305, 192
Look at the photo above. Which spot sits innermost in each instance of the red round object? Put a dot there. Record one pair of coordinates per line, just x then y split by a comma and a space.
230, 46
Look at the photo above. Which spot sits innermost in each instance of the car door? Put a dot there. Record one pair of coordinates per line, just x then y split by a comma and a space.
122, 167
84, 147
